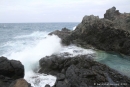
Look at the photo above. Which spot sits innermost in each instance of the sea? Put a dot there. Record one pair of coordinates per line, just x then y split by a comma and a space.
29, 42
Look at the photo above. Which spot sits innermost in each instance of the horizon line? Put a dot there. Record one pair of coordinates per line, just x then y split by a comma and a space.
38, 22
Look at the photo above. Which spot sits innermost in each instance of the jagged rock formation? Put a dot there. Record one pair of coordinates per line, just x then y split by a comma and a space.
61, 34
112, 13
120, 20
100, 34
105, 34
81, 71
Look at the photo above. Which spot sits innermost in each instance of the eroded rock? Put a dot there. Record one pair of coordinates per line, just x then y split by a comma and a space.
11, 68
108, 34
80, 71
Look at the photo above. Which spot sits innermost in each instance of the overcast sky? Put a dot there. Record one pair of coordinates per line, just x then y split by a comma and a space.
17, 11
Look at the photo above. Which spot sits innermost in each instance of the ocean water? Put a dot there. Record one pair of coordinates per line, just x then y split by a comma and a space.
29, 42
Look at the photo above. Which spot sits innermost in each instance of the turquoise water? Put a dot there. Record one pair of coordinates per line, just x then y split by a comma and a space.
115, 61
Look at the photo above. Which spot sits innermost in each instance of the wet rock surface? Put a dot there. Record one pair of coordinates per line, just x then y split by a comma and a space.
11, 68
10, 73
81, 71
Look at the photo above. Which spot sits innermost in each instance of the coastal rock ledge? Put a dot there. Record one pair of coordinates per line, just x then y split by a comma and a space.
81, 71
111, 33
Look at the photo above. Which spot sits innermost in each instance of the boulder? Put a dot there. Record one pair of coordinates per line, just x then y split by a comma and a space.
81, 71
11, 68
20, 83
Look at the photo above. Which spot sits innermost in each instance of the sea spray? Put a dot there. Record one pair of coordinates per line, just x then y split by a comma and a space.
74, 27
30, 54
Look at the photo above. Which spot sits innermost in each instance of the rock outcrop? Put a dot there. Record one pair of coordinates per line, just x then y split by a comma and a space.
10, 73
81, 71
107, 34
11, 68
120, 20
61, 34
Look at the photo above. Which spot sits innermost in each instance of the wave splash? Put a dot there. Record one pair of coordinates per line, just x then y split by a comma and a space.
29, 49
30, 54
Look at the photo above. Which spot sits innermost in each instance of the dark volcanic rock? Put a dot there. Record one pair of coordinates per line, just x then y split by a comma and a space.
10, 70
61, 34
120, 20
112, 13
47, 85
81, 71
5, 81
109, 34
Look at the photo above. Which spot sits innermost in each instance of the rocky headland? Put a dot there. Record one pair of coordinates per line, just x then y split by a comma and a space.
111, 33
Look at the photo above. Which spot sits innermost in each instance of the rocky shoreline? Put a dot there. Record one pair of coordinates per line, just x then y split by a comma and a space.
81, 71
110, 33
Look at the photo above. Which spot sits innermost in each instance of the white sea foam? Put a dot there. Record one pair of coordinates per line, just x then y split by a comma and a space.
74, 27
30, 54
40, 80
74, 50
